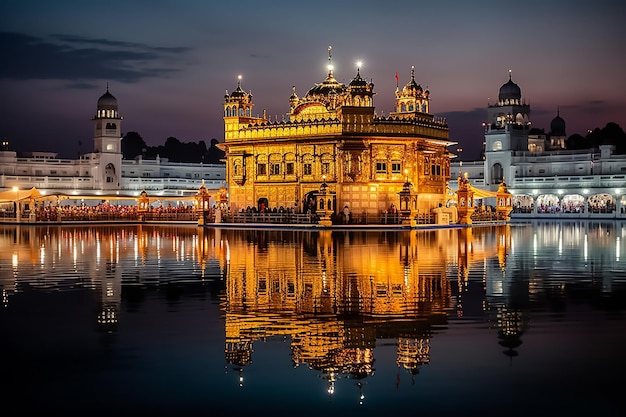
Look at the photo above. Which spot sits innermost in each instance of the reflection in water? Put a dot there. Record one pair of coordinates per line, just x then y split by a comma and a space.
336, 297
333, 296
106, 259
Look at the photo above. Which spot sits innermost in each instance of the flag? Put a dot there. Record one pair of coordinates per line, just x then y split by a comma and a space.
397, 79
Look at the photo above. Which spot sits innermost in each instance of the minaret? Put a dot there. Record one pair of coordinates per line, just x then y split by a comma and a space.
107, 125
506, 131
107, 143
557, 132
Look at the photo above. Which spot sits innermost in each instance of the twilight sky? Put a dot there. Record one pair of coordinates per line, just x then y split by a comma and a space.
169, 63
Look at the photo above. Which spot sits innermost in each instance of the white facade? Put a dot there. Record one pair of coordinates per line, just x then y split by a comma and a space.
544, 181
103, 171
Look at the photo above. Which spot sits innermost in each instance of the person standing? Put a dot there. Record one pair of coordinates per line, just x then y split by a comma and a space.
346, 214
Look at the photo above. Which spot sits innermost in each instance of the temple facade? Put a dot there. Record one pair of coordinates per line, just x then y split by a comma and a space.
333, 140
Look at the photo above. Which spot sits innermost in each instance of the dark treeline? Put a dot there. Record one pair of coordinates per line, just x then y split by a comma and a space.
611, 134
174, 150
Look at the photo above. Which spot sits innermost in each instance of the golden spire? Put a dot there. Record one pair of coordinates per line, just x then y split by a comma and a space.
330, 62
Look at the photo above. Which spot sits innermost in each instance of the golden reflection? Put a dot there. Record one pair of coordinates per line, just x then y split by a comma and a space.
331, 294
335, 295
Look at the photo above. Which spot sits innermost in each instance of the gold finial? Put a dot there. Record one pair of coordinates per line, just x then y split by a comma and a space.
330, 61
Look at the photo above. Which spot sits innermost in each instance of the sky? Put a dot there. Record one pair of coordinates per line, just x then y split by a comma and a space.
169, 63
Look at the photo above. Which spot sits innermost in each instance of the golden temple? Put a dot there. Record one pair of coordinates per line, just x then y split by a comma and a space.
333, 139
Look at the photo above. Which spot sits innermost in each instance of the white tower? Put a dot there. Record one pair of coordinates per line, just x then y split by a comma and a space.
506, 131
107, 143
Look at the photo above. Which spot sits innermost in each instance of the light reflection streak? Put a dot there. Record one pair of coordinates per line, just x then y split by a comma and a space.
136, 251
74, 254
98, 252
158, 248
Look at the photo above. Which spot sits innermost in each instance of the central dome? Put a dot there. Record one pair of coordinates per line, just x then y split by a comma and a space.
330, 85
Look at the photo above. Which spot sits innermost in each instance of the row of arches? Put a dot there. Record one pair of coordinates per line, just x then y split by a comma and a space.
359, 101
569, 203
286, 129
235, 111
420, 106
507, 119
109, 114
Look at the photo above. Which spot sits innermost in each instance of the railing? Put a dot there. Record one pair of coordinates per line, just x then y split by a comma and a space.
487, 216
171, 216
313, 218
84, 217
288, 218
571, 181
47, 215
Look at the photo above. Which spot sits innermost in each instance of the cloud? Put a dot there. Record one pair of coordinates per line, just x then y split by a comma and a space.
72, 58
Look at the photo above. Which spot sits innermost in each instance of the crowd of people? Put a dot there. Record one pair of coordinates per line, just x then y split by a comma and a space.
105, 211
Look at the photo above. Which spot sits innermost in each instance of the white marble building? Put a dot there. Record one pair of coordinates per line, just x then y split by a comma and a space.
103, 171
544, 178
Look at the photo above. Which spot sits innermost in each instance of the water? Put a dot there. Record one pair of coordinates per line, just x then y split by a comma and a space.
504, 320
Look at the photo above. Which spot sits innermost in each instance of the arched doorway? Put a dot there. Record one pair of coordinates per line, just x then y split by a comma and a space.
523, 203
262, 205
497, 173
601, 203
110, 177
308, 203
573, 203
548, 203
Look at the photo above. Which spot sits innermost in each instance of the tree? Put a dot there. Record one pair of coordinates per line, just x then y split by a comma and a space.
173, 149
611, 134
215, 155
132, 145
614, 135
577, 141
